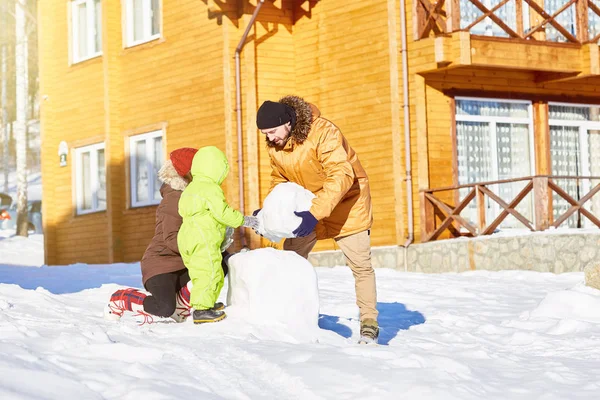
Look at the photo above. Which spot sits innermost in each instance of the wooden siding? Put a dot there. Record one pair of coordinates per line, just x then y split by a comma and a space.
72, 110
342, 66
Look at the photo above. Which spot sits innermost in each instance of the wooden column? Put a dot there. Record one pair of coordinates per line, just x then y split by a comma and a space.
541, 135
541, 203
453, 15
422, 146
251, 139
397, 127
535, 19
582, 21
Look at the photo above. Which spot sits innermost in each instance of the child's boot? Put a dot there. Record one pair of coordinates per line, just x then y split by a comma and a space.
210, 315
126, 300
182, 305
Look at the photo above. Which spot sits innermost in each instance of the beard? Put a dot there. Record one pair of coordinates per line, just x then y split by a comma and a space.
283, 142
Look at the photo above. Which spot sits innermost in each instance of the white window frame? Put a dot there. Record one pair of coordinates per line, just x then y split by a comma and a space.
90, 34
145, 137
146, 20
584, 127
493, 120
93, 150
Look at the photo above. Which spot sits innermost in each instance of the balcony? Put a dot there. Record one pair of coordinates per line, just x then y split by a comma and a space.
555, 39
567, 21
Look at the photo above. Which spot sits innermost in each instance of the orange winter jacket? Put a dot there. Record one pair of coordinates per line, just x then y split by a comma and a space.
318, 157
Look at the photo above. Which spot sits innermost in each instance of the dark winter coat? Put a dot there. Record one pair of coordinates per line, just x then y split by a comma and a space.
162, 254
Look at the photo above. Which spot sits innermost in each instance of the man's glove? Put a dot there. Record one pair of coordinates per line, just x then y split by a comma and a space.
307, 225
228, 239
250, 222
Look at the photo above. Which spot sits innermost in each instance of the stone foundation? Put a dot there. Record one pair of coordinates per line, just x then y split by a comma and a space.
547, 251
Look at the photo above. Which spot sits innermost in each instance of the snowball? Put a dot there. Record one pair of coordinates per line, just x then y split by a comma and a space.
277, 289
276, 218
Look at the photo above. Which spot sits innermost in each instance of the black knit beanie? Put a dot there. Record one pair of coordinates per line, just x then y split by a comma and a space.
272, 114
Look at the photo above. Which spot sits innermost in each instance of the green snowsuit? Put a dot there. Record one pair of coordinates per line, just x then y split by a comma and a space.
205, 214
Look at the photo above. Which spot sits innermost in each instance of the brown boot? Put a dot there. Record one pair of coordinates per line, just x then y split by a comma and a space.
369, 331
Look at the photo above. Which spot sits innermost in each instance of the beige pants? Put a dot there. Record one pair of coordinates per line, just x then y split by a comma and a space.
357, 250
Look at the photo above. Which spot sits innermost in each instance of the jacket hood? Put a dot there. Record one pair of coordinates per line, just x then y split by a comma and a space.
305, 114
210, 164
167, 174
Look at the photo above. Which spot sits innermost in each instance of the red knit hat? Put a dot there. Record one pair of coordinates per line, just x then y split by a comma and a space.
182, 159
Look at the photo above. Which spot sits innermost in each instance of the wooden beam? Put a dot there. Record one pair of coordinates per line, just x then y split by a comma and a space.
541, 135
427, 217
582, 20
519, 16
452, 15
420, 94
480, 209
550, 19
508, 208
541, 203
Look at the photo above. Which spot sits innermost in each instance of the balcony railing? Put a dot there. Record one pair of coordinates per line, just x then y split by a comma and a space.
439, 216
571, 21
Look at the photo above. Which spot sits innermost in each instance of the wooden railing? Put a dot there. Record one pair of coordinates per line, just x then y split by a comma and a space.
575, 21
439, 216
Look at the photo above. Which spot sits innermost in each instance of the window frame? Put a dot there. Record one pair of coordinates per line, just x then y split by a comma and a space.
90, 33
128, 19
93, 150
493, 120
133, 140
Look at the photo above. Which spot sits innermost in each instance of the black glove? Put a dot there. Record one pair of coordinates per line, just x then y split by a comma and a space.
255, 212
307, 225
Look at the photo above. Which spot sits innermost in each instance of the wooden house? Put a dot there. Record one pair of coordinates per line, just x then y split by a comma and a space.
486, 110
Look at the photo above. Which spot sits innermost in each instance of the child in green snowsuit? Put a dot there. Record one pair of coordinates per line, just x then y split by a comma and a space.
206, 215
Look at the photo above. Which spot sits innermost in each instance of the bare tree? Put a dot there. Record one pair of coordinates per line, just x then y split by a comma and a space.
20, 124
4, 92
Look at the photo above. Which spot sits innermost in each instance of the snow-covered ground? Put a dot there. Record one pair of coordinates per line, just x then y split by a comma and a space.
476, 335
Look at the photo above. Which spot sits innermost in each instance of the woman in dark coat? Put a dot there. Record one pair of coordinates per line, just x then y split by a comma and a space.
163, 273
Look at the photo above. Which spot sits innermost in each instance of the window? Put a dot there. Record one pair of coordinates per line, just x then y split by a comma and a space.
574, 145
90, 179
86, 26
143, 21
146, 158
494, 142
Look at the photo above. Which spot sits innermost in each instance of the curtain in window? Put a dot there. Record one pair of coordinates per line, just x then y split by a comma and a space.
98, 22
157, 157
564, 151
101, 193
82, 30
138, 19
86, 181
141, 167
593, 151
513, 162
155, 17
474, 162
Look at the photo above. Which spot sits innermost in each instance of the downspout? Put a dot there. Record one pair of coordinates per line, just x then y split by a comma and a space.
407, 155
238, 110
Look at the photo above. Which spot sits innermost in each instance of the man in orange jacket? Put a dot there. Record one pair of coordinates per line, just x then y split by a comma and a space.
309, 150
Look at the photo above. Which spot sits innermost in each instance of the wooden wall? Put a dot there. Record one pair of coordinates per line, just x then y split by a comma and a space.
71, 110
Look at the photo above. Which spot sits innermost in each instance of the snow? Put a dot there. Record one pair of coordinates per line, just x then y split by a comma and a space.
18, 250
475, 335
278, 288
276, 219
